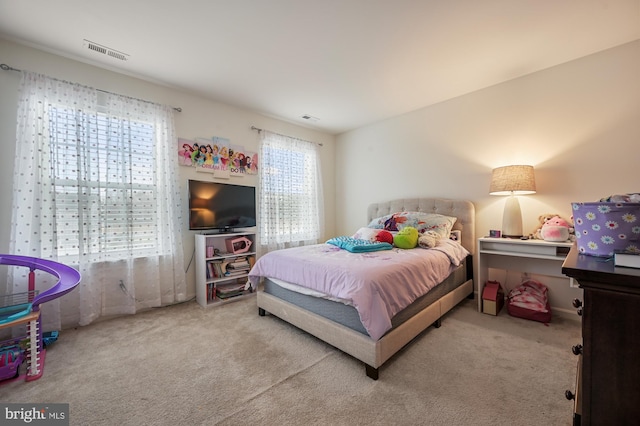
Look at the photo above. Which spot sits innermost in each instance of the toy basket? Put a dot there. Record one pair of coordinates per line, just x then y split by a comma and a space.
603, 227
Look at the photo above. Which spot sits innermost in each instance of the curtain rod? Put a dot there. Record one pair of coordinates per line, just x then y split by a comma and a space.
257, 129
6, 67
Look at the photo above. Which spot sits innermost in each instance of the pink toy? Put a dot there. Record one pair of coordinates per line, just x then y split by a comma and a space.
10, 359
555, 229
238, 245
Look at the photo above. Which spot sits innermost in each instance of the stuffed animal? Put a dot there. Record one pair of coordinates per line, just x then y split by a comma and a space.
384, 237
407, 238
428, 239
622, 198
543, 219
555, 229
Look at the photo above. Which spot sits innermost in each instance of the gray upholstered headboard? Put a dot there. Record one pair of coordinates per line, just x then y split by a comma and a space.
463, 210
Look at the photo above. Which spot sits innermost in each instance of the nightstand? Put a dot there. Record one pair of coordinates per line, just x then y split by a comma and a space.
534, 256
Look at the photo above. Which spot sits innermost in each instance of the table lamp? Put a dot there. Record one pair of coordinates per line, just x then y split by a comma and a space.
512, 181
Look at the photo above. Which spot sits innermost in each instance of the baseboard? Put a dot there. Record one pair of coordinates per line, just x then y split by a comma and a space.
567, 314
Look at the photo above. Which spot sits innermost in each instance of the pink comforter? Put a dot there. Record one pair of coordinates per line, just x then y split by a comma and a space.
378, 284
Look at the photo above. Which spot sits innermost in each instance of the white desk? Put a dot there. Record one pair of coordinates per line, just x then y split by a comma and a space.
534, 256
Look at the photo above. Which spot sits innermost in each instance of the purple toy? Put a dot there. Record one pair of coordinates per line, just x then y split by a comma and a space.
10, 359
24, 308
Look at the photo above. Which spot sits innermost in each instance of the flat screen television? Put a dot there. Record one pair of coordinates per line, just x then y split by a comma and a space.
221, 206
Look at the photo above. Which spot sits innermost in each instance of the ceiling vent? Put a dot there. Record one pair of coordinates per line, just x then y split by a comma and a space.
310, 118
105, 50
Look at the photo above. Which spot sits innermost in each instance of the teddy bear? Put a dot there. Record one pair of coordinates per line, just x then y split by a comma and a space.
428, 239
406, 238
554, 227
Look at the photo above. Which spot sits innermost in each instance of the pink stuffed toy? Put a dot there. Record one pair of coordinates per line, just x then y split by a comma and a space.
555, 229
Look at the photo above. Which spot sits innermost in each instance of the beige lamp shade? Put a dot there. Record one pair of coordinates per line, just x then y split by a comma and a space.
512, 180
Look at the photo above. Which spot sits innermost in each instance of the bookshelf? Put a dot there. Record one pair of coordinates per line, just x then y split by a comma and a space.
221, 275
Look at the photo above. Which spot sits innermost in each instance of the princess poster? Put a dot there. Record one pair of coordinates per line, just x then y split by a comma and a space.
217, 156
242, 162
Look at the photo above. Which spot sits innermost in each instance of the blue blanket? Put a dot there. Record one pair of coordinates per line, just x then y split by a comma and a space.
355, 245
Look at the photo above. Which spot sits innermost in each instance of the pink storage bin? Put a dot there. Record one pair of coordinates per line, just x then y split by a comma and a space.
602, 228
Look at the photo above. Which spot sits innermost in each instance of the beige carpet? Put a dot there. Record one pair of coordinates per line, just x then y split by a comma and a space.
184, 365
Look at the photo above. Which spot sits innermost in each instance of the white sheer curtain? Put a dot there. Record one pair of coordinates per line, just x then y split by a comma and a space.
290, 197
95, 187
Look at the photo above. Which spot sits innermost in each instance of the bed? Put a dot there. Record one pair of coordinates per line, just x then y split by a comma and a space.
340, 323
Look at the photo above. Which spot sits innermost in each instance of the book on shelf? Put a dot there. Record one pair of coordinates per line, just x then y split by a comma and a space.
221, 292
230, 290
211, 292
235, 273
216, 269
238, 266
240, 261
212, 270
230, 295
627, 258
237, 269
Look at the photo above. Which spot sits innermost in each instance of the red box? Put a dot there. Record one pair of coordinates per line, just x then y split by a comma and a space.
492, 298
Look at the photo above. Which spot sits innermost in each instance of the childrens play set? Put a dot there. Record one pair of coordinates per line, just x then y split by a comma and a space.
24, 308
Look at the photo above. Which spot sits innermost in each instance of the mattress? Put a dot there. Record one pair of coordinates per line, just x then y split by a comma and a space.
347, 315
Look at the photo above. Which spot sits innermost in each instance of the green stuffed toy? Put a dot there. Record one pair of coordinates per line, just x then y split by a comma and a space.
407, 238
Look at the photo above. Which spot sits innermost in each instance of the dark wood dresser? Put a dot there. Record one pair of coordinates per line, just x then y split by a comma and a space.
608, 383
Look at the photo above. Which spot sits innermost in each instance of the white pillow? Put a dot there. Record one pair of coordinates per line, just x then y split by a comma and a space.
422, 221
366, 234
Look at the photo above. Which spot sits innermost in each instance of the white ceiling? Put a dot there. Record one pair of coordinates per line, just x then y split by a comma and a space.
347, 62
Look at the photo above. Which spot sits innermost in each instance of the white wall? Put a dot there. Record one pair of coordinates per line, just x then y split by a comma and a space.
578, 123
199, 118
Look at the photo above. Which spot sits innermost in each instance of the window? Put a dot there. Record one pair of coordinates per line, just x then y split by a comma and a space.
104, 188
96, 187
290, 192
